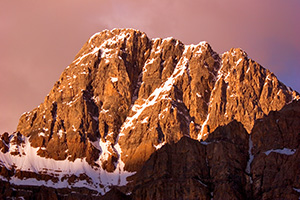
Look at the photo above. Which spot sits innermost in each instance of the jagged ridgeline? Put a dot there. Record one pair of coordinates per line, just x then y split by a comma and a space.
125, 96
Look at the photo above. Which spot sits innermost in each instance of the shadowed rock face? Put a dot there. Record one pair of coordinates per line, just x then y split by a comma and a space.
174, 172
191, 169
229, 164
125, 96
276, 150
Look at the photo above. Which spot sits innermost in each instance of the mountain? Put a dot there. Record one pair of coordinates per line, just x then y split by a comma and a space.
139, 118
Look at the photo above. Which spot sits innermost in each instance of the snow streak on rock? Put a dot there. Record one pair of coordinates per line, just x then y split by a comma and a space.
284, 151
158, 94
251, 157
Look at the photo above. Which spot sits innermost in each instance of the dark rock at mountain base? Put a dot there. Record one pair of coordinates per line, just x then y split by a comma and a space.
276, 149
174, 172
115, 194
227, 156
9, 191
189, 169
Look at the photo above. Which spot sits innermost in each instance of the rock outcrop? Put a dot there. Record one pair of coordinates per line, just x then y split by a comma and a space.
245, 91
193, 170
9, 191
276, 151
127, 98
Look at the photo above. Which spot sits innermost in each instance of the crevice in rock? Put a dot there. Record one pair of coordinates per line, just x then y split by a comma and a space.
33, 118
160, 136
97, 62
54, 116
137, 88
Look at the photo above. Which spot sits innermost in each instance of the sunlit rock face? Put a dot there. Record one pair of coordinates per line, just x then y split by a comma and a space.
130, 104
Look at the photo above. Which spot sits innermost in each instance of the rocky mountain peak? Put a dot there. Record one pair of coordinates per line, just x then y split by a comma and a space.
125, 96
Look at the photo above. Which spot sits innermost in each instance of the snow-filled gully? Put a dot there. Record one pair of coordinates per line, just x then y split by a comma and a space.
31, 162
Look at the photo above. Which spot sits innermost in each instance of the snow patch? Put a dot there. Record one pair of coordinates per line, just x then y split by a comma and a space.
114, 79
148, 62
203, 43
205, 143
238, 62
284, 151
42, 134
296, 189
167, 39
96, 99
60, 133
248, 70
73, 128
198, 95
201, 133
106, 48
104, 111
159, 145
60, 168
95, 118
201, 183
251, 157
93, 36
104, 150
145, 120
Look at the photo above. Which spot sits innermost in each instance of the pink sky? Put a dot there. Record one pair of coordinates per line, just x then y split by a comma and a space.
38, 40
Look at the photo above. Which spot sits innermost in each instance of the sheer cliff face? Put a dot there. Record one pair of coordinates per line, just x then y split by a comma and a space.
124, 96
125, 89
